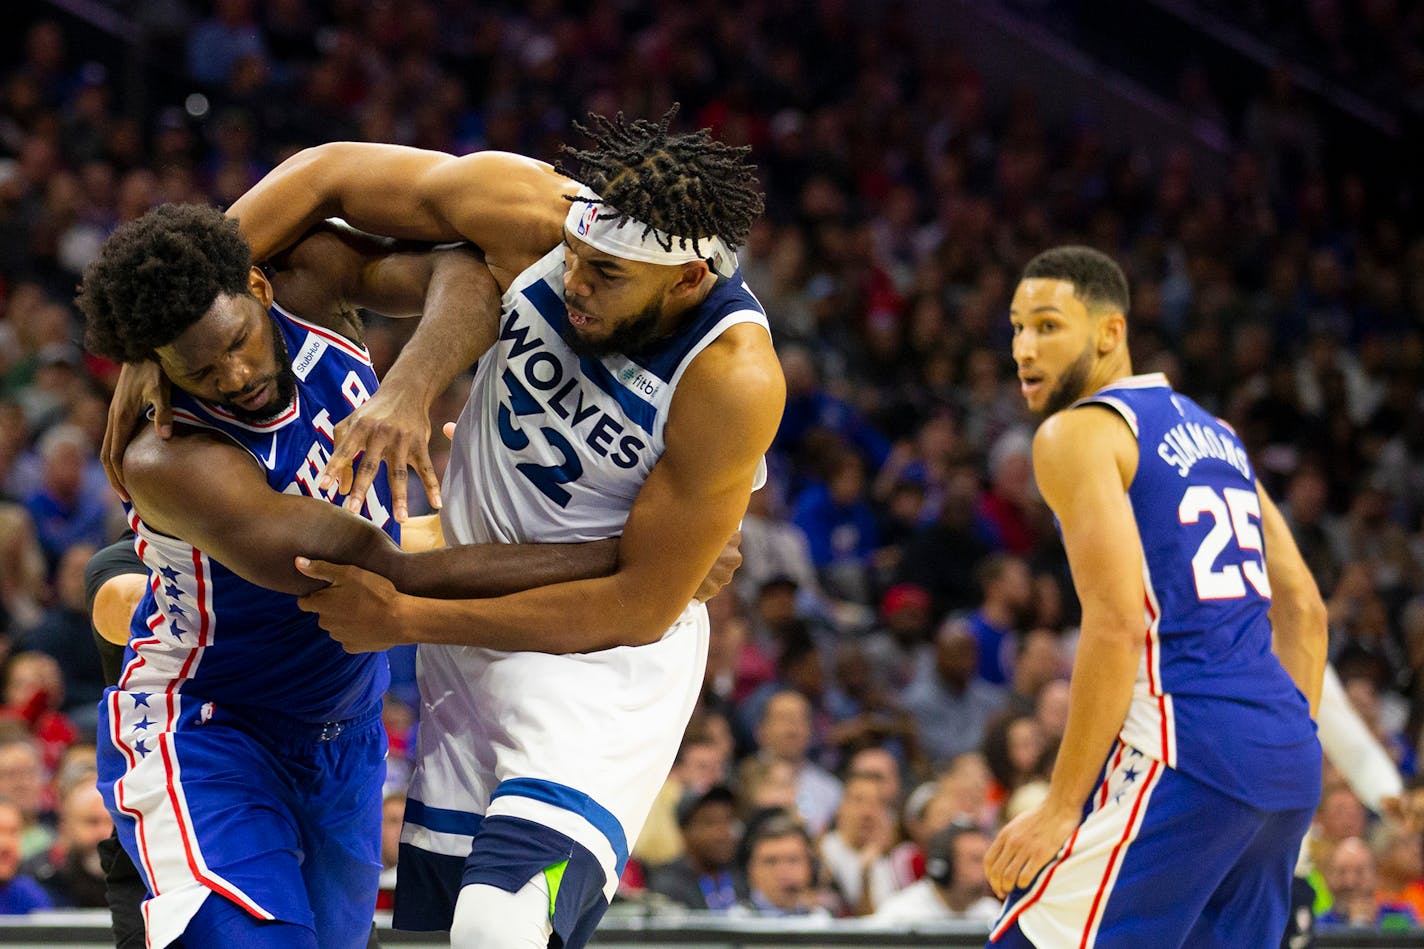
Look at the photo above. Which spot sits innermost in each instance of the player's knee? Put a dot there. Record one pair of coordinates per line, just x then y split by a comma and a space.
487, 917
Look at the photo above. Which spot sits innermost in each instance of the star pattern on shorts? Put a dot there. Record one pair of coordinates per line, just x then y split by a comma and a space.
177, 630
140, 726
169, 574
1130, 774
141, 748
172, 591
140, 698
175, 610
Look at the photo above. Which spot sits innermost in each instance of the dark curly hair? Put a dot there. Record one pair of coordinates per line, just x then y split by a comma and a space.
157, 276
685, 185
1096, 278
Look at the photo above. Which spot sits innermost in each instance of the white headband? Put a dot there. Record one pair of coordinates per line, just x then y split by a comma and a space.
622, 236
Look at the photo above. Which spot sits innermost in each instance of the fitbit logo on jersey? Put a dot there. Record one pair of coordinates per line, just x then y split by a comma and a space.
637, 379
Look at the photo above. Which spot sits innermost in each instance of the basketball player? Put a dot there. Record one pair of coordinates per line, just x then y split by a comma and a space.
1189, 769
244, 754
632, 387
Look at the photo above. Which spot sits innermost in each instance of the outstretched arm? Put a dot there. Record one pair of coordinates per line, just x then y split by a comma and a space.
1084, 460
1299, 634
723, 416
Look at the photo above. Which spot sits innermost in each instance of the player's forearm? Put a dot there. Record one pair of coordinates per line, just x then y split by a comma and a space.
1104, 671
459, 324
583, 616
284, 205
496, 570
1299, 638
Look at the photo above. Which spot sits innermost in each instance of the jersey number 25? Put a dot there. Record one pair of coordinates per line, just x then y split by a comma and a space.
1231, 513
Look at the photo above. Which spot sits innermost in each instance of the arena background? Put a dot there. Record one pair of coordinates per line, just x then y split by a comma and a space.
1254, 165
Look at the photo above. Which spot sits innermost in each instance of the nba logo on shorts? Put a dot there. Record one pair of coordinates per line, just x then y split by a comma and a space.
205, 714
590, 214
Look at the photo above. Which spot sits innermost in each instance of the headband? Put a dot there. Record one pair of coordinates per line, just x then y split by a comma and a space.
623, 236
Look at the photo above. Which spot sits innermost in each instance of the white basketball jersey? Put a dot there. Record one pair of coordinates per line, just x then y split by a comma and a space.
553, 447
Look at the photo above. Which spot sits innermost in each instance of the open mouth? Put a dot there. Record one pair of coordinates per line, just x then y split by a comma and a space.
257, 399
1030, 383
580, 320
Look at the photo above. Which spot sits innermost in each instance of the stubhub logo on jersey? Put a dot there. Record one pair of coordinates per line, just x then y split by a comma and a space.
539, 382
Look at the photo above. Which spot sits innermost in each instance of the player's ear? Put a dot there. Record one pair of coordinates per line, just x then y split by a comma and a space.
259, 286
1111, 331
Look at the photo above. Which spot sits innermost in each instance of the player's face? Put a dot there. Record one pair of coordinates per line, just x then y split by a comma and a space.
235, 356
614, 305
1053, 344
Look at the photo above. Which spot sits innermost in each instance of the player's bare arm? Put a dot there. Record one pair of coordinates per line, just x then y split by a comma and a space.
114, 605
1084, 461
511, 206
1299, 633
258, 532
721, 422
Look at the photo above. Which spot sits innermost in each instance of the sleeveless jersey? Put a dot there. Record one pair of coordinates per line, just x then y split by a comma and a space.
554, 447
202, 629
1211, 698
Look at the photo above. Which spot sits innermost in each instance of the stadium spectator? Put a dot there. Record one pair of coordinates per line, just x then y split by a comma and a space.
69, 871
706, 876
951, 702
954, 885
19, 894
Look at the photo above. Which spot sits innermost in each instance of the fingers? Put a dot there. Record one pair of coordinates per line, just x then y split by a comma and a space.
365, 472
320, 569
338, 467
449, 430
425, 468
111, 453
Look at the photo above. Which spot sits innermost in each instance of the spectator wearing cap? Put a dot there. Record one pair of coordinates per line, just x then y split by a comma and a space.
898, 649
954, 885
706, 876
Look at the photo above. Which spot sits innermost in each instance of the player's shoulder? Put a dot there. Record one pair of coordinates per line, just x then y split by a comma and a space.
151, 461
739, 363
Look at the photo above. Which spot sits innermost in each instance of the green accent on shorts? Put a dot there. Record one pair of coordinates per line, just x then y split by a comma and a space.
554, 876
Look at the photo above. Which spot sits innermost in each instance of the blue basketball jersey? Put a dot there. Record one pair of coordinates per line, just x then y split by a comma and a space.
202, 629
1211, 698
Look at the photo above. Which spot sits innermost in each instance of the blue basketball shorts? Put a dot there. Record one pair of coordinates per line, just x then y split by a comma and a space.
1161, 860
281, 818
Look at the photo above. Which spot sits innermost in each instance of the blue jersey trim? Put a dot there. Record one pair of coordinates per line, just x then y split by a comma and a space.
442, 820
642, 413
577, 802
547, 302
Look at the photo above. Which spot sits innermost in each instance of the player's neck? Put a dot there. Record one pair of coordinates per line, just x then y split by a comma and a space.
1111, 368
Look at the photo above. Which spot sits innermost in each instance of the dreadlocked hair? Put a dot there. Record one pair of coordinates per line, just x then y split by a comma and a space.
157, 276
687, 186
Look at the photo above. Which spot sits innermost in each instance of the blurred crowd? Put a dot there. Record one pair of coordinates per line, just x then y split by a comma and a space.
888, 675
